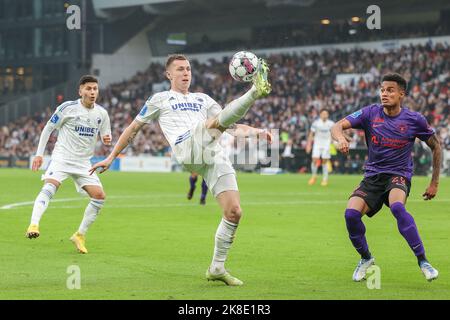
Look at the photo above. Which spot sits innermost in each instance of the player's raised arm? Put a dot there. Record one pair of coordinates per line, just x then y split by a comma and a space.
435, 146
337, 132
125, 138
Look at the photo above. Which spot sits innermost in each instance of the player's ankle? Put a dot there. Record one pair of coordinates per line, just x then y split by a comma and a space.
421, 259
366, 255
217, 268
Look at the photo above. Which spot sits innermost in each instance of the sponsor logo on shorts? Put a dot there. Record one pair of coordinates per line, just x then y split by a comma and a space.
399, 181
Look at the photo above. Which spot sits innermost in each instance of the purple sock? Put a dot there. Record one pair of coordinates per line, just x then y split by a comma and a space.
356, 231
408, 228
204, 190
192, 181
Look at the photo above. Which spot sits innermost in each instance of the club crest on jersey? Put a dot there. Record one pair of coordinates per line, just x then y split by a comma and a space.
99, 120
356, 114
403, 128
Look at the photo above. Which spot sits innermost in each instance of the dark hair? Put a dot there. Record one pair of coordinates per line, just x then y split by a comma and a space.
87, 78
396, 78
171, 58
323, 109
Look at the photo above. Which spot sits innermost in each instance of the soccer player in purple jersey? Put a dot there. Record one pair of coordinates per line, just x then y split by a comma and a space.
192, 182
390, 130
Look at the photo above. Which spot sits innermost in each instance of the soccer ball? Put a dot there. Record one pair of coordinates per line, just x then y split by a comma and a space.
243, 66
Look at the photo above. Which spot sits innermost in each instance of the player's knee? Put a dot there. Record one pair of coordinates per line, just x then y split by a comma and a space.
99, 195
234, 213
352, 215
397, 209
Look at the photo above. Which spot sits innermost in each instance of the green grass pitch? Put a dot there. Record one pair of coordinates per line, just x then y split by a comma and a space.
150, 242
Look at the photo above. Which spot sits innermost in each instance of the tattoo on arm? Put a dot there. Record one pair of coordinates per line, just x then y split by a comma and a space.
134, 131
435, 147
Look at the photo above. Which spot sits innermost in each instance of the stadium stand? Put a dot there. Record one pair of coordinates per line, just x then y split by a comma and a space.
302, 85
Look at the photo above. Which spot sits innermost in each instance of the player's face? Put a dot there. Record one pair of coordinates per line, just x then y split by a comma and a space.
179, 74
391, 94
324, 115
88, 93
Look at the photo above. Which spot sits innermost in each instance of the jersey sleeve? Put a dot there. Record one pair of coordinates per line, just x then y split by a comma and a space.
105, 126
58, 117
314, 126
212, 107
150, 110
358, 119
424, 130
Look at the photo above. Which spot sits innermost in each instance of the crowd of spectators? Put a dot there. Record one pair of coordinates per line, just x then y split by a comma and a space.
302, 85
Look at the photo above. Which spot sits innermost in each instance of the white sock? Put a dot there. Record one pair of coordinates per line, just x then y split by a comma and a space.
224, 238
236, 109
90, 214
42, 201
313, 168
325, 170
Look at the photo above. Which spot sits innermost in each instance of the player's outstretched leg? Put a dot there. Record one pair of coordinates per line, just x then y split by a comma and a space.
90, 214
229, 201
40, 205
192, 183
408, 229
204, 193
357, 230
236, 109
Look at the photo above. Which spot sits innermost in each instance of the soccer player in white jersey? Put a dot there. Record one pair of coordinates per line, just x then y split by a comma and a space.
192, 123
321, 135
78, 123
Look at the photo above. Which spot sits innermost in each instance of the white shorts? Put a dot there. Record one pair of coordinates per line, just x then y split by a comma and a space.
321, 152
60, 171
200, 152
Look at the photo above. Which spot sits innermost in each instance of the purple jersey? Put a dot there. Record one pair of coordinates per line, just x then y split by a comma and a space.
390, 139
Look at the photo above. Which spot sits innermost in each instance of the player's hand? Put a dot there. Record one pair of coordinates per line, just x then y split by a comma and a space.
430, 192
37, 163
104, 165
266, 135
343, 145
107, 140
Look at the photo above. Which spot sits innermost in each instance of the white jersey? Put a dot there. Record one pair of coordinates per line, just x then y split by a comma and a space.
178, 113
78, 128
322, 132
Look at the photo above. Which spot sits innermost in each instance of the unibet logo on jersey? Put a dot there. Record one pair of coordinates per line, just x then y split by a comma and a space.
85, 131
